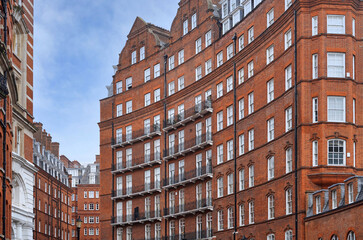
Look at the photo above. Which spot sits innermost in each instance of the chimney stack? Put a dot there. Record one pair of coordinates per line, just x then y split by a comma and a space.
43, 140
55, 148
48, 142
38, 133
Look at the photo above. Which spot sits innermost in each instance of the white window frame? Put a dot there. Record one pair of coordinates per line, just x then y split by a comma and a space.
157, 70
241, 146
335, 28
270, 17
220, 58
333, 67
181, 83
142, 53
157, 95
270, 90
315, 151
198, 73
331, 109
288, 197
208, 38
241, 174
185, 27
194, 21
270, 168
198, 45
181, 57
314, 25
269, 54
288, 156
251, 35
208, 66
171, 63
241, 42
270, 129
315, 69
251, 139
288, 119
220, 187
288, 39
219, 121
220, 154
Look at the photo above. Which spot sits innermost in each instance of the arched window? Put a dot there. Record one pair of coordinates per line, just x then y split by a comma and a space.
336, 152
351, 236
288, 235
271, 237
334, 237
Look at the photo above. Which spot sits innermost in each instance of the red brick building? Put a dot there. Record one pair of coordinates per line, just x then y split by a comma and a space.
16, 73
211, 131
85, 197
52, 190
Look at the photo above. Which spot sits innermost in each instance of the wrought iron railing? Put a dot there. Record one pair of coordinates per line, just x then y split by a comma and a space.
199, 108
188, 207
129, 164
188, 145
189, 175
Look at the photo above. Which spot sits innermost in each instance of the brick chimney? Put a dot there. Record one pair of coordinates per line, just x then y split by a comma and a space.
66, 161
55, 148
38, 133
43, 139
48, 142
97, 159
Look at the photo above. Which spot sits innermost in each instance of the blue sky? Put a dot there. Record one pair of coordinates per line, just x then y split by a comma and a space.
75, 45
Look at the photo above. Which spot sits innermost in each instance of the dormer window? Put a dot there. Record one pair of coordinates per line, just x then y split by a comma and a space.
225, 9
350, 193
317, 204
185, 27
233, 5
334, 199
133, 57
194, 21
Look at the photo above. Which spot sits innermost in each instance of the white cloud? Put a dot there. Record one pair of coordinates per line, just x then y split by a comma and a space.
75, 47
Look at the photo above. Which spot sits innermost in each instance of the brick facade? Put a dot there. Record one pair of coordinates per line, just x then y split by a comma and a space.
164, 143
52, 190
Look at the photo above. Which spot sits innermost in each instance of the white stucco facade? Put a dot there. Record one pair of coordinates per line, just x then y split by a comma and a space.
22, 215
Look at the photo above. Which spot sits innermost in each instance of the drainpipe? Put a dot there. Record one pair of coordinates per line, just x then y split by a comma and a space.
164, 102
4, 4
235, 136
113, 176
295, 132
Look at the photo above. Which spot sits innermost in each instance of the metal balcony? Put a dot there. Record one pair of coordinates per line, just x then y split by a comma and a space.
136, 191
192, 145
199, 235
136, 218
189, 208
136, 136
136, 163
189, 115
188, 177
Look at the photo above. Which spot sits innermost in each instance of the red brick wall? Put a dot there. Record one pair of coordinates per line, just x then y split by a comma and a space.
309, 178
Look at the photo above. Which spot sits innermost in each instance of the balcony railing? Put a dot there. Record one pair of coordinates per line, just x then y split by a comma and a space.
130, 219
130, 165
136, 136
191, 145
189, 208
199, 235
133, 191
188, 115
189, 177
